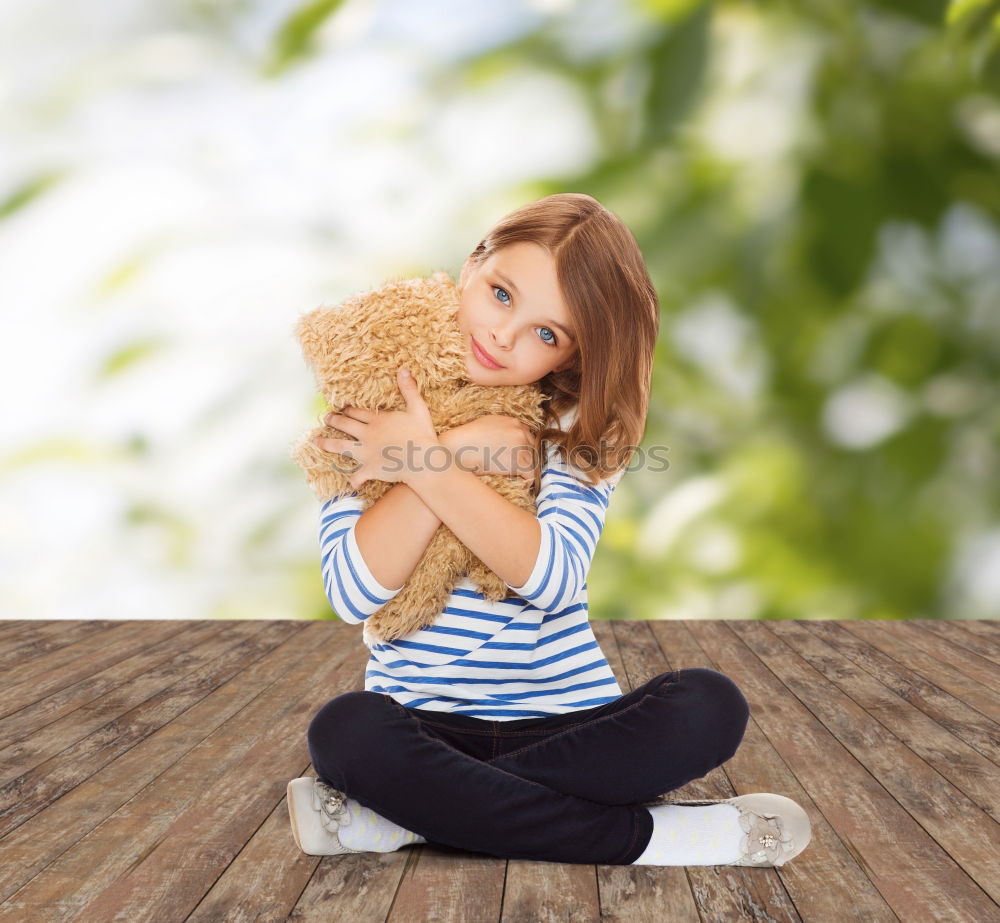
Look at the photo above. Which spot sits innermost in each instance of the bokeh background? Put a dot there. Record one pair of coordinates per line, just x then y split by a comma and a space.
814, 184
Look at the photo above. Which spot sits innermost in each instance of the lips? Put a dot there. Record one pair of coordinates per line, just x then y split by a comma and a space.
484, 357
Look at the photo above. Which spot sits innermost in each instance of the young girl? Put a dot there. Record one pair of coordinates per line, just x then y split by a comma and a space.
500, 728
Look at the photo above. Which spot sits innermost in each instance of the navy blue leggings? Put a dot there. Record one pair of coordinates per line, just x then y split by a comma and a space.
564, 788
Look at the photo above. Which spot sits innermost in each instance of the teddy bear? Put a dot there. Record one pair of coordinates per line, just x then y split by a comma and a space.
355, 350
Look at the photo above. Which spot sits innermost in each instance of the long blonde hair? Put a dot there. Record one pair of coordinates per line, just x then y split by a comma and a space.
616, 315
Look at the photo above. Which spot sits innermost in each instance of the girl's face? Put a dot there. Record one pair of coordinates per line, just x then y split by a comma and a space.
512, 309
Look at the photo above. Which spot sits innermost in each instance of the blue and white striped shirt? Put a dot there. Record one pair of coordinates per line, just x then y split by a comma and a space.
526, 656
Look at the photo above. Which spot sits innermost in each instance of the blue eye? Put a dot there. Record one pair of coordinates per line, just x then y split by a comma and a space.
503, 296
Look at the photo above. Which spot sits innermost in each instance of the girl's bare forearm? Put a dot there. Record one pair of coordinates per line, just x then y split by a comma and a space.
506, 538
393, 534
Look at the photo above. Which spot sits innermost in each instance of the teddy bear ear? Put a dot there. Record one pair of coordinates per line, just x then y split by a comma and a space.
314, 330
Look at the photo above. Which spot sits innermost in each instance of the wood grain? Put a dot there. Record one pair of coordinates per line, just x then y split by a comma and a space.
143, 769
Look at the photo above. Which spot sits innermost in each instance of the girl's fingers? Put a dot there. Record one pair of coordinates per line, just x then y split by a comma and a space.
343, 446
342, 422
356, 413
347, 447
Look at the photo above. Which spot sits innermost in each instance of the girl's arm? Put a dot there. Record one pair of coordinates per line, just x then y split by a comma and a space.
350, 586
503, 536
368, 556
394, 533
543, 557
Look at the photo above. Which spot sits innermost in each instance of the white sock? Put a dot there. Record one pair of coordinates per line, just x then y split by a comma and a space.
372, 832
702, 834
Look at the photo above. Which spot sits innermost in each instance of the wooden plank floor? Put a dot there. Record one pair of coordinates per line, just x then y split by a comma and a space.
143, 769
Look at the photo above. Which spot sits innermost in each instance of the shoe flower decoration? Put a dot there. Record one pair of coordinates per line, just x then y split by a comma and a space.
331, 804
764, 841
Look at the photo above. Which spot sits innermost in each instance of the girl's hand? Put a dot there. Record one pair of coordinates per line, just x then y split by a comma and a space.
389, 444
493, 444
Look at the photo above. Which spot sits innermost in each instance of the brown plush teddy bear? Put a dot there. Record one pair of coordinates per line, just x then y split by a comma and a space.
355, 350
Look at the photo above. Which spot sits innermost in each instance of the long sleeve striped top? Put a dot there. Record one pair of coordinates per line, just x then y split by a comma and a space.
530, 655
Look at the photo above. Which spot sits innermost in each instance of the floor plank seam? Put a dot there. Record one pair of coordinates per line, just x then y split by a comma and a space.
863, 866
955, 700
813, 681
119, 755
907, 669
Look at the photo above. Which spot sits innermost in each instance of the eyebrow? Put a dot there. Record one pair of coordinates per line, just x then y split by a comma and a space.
506, 281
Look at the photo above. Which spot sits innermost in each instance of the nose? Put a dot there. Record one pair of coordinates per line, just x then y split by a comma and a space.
500, 338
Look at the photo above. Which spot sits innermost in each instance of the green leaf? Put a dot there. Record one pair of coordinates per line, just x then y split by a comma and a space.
676, 68
961, 11
296, 34
26, 193
929, 12
670, 10
121, 360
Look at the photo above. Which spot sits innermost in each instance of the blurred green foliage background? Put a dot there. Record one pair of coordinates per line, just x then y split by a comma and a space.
815, 189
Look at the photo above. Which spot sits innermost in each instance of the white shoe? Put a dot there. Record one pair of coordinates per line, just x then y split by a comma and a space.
317, 812
775, 828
